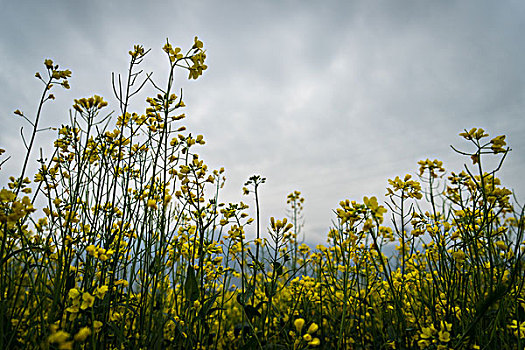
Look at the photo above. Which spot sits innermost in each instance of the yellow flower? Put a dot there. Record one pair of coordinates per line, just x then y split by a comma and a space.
58, 337
82, 334
446, 326
314, 342
66, 346
74, 308
474, 133
87, 301
519, 329
313, 328
428, 332
152, 203
444, 336
123, 282
74, 293
97, 325
101, 291
197, 44
48, 63
501, 245
497, 144
423, 343
91, 249
459, 255
103, 257
115, 316
299, 323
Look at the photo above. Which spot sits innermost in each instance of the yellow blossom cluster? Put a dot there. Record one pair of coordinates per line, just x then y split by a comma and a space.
132, 248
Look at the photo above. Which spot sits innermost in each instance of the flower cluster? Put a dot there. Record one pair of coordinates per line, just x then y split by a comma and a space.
121, 242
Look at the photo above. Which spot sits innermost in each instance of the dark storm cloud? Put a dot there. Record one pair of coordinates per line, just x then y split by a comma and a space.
330, 98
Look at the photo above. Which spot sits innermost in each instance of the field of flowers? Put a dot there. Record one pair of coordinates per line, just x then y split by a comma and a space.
120, 241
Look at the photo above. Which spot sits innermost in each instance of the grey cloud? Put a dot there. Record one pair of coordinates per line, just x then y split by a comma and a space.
330, 98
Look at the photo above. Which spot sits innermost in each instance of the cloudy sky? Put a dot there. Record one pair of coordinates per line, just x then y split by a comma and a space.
331, 98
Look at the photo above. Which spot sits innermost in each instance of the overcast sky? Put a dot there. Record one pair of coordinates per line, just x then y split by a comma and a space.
331, 98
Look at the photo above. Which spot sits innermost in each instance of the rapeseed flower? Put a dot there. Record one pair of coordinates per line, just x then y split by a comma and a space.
299, 323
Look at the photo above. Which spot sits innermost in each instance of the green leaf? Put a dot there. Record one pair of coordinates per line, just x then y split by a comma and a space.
244, 298
190, 286
278, 268
251, 312
207, 306
270, 289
